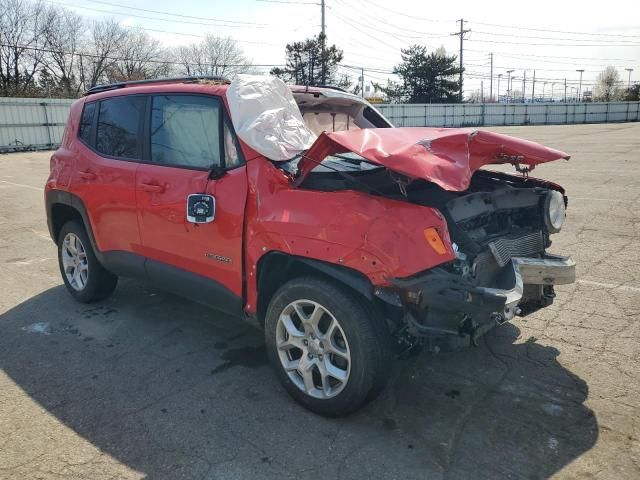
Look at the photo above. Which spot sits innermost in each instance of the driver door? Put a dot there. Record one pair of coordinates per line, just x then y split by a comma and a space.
185, 137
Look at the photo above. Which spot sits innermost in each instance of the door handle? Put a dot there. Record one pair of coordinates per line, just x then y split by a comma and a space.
152, 187
87, 175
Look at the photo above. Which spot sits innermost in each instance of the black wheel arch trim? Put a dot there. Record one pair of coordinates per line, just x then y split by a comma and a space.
354, 279
62, 197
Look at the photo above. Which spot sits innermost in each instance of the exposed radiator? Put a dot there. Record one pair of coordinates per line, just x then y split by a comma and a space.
503, 249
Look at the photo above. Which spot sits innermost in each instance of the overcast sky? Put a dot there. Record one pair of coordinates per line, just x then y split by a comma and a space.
553, 37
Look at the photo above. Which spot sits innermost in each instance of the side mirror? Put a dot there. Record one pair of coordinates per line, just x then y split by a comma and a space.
201, 208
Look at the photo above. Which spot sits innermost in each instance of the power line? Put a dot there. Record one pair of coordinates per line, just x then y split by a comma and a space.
134, 59
554, 62
194, 35
558, 44
422, 19
552, 56
386, 32
146, 17
556, 31
289, 2
519, 35
173, 14
353, 25
363, 13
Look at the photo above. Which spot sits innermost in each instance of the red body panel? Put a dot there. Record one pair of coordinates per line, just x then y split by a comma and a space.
106, 187
378, 237
445, 156
168, 237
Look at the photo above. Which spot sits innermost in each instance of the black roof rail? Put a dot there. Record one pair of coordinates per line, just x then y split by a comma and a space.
113, 86
330, 87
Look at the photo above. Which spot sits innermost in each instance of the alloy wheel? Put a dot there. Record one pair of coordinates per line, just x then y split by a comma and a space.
313, 349
74, 261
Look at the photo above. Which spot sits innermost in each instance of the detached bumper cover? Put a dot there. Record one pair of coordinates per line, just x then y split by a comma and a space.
448, 297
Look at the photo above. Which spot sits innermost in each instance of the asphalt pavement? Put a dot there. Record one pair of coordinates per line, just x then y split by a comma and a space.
148, 385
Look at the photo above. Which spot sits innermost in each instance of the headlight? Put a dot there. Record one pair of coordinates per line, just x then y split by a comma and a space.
554, 211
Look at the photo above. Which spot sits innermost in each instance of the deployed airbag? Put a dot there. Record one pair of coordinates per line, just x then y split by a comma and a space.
267, 118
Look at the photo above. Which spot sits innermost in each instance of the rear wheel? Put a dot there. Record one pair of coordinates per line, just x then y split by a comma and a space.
84, 277
331, 352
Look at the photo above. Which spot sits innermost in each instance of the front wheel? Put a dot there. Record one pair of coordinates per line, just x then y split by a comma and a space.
329, 348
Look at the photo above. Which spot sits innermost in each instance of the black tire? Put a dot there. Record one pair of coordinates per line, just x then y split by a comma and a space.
100, 283
365, 332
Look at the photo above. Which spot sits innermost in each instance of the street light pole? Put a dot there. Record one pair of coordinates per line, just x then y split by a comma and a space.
323, 65
491, 79
629, 84
581, 70
533, 88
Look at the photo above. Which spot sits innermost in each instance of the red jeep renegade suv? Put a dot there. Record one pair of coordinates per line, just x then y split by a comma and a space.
350, 241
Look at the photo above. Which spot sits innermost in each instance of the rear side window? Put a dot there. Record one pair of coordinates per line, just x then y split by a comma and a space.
86, 122
119, 126
186, 131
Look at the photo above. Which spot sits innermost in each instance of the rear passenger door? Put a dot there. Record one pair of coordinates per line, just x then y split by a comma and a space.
187, 135
110, 145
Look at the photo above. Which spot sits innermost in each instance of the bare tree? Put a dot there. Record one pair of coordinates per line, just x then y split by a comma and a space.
139, 57
101, 53
65, 32
214, 56
23, 46
607, 86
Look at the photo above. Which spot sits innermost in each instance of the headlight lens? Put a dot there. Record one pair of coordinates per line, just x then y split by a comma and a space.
554, 211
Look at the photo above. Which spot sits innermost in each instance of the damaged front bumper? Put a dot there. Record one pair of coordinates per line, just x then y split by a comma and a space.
443, 303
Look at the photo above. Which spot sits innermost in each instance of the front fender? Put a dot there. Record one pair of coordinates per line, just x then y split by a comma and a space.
376, 236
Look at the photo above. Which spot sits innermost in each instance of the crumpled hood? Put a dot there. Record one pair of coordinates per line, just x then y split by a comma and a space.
447, 157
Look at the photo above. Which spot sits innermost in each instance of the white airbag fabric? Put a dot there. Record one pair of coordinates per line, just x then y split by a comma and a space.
267, 118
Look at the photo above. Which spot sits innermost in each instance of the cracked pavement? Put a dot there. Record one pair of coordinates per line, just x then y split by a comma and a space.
147, 385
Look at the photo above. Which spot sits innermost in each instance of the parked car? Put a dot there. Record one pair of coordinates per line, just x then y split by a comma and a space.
349, 241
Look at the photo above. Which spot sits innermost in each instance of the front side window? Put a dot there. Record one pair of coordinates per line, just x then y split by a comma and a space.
86, 122
118, 126
185, 131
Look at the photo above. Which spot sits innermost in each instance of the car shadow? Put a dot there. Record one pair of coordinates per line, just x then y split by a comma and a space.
174, 390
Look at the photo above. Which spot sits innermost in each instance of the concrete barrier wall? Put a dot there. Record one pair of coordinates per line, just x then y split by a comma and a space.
494, 114
38, 123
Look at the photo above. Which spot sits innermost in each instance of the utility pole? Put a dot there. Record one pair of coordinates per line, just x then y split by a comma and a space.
481, 91
581, 70
323, 70
491, 79
509, 85
533, 88
552, 87
498, 94
524, 84
565, 90
461, 33
362, 82
629, 84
